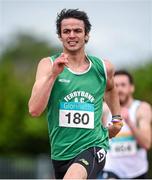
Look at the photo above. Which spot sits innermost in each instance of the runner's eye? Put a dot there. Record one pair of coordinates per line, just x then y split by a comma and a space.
78, 30
66, 31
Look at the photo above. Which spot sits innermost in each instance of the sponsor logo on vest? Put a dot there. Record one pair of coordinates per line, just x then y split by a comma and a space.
84, 161
101, 155
64, 80
81, 94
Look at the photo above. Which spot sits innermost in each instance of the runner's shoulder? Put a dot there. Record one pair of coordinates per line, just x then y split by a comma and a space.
144, 109
109, 67
45, 60
144, 105
44, 67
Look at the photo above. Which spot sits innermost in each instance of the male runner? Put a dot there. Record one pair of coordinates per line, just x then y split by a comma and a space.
72, 85
127, 157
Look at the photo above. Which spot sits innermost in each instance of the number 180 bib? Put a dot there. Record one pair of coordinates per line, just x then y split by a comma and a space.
76, 114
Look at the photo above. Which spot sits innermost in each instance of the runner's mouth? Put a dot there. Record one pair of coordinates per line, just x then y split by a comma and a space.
72, 43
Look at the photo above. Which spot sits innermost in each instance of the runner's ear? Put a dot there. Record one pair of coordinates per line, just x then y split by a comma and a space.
86, 38
60, 38
132, 89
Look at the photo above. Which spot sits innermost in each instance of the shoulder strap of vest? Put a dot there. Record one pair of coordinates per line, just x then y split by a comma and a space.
100, 63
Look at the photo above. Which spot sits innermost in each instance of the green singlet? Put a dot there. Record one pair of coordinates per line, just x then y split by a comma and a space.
75, 111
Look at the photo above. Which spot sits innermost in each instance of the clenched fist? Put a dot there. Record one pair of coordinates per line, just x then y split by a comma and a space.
59, 63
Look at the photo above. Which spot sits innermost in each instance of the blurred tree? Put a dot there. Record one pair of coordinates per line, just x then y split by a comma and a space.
143, 82
20, 133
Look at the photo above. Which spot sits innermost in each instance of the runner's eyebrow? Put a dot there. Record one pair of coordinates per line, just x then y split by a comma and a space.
74, 29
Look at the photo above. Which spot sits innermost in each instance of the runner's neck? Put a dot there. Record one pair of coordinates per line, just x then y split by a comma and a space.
78, 62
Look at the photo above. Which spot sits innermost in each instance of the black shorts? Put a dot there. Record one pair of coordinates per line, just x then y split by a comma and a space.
92, 159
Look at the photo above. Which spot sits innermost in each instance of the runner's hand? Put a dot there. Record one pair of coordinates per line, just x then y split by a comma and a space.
59, 63
125, 115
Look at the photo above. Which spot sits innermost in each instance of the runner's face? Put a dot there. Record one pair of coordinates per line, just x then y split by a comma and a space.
125, 89
73, 34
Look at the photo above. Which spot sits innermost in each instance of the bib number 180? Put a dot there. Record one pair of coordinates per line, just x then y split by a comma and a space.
76, 115
78, 118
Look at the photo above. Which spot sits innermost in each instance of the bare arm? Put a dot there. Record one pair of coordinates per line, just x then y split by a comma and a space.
45, 78
112, 99
106, 112
142, 131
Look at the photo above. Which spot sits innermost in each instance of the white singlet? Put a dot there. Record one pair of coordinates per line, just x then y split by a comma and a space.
125, 158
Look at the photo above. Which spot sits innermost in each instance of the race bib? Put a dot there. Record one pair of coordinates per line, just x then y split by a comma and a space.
123, 147
76, 115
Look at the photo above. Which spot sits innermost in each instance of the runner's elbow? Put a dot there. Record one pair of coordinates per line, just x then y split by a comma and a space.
147, 145
34, 112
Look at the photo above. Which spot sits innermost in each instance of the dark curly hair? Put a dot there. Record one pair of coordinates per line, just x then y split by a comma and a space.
126, 73
72, 13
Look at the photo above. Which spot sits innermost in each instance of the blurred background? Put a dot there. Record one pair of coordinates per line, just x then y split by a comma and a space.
121, 32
